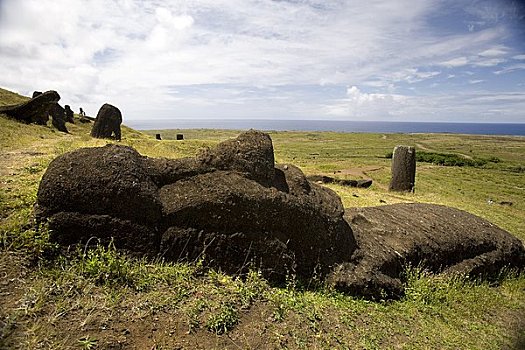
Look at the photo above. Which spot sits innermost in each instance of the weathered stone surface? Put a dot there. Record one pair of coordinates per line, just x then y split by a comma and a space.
111, 180
35, 110
69, 228
36, 93
251, 153
403, 169
107, 123
229, 206
69, 114
438, 238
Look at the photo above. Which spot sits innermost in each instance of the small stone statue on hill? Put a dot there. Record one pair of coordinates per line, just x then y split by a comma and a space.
403, 169
69, 114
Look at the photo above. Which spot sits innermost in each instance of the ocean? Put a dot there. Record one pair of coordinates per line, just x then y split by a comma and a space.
332, 125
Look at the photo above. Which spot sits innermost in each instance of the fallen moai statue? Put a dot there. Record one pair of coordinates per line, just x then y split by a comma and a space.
36, 110
230, 201
361, 183
436, 237
232, 206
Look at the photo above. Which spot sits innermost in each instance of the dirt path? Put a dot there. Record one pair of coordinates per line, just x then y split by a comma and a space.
361, 172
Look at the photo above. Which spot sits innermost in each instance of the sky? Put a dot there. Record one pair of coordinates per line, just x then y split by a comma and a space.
392, 60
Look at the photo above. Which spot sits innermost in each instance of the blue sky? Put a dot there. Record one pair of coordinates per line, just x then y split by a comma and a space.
397, 60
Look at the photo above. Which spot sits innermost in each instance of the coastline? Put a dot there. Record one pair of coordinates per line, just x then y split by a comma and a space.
492, 129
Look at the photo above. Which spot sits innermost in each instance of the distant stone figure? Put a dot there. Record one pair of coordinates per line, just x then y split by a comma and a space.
107, 123
82, 113
180, 137
58, 115
36, 93
36, 110
69, 114
403, 169
157, 136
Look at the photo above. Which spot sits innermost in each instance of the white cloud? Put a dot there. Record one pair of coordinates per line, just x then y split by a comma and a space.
358, 104
472, 106
494, 52
511, 68
455, 62
132, 52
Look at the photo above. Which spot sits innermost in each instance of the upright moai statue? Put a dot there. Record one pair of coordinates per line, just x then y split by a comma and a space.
70, 118
107, 123
403, 169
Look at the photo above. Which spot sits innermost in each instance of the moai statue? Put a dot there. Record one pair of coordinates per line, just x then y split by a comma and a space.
403, 169
58, 115
107, 123
36, 110
69, 114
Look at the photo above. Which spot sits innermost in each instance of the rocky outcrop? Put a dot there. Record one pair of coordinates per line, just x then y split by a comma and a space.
107, 123
235, 208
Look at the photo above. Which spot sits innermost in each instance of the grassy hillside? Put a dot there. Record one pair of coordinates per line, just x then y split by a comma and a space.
103, 300
8, 98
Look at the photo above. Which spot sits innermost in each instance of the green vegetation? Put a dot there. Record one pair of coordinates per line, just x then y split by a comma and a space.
102, 298
447, 159
8, 98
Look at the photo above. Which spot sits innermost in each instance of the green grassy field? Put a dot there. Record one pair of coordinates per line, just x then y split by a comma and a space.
101, 299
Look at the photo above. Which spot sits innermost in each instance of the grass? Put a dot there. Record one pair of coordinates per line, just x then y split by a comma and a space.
8, 98
101, 298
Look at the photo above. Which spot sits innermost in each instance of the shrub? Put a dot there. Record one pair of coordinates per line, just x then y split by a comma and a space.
446, 159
